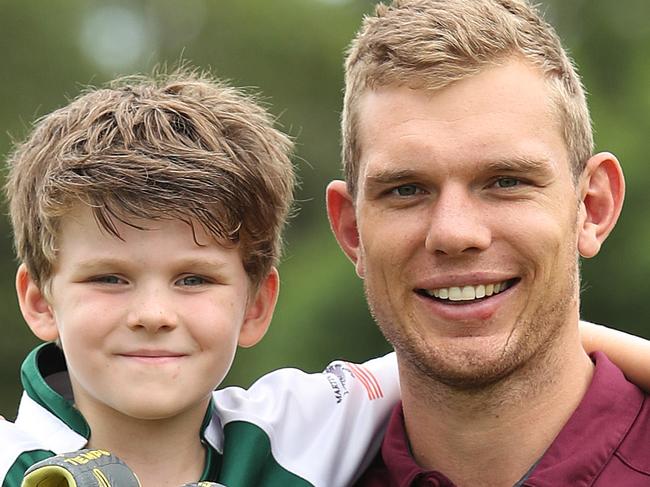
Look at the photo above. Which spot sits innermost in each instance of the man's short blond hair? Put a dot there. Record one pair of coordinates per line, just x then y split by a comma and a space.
430, 44
182, 146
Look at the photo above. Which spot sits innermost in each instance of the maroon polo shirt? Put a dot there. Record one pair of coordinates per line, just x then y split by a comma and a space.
605, 443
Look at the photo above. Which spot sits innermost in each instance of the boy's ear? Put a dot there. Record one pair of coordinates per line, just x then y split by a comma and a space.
343, 221
34, 306
260, 310
602, 190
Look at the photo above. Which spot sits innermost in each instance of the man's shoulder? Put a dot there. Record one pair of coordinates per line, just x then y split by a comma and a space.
633, 450
605, 442
628, 464
622, 413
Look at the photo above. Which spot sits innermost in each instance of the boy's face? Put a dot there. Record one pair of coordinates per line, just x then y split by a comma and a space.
149, 324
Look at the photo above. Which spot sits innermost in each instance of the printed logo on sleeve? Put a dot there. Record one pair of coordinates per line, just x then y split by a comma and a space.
337, 375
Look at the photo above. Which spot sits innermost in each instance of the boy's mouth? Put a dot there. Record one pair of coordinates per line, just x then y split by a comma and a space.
152, 353
153, 356
469, 293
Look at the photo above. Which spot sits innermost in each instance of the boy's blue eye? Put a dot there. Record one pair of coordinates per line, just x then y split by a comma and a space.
406, 190
191, 281
108, 279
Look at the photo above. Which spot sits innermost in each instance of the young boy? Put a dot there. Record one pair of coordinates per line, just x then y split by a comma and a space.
147, 217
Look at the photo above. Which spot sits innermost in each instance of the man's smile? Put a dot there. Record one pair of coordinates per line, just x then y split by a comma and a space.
468, 292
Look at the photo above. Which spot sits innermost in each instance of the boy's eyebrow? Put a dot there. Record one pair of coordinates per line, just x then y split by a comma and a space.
96, 262
102, 263
211, 264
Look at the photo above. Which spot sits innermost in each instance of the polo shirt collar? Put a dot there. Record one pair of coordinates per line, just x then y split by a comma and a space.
44, 361
396, 454
594, 431
604, 417
211, 438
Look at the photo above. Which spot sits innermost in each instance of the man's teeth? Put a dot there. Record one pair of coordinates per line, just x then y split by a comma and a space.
468, 293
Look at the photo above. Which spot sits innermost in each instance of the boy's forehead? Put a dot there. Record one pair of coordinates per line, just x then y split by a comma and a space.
81, 223
142, 246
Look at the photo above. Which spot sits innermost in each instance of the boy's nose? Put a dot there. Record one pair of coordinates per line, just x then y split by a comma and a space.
152, 311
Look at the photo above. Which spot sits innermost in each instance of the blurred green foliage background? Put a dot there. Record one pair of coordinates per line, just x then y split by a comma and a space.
292, 51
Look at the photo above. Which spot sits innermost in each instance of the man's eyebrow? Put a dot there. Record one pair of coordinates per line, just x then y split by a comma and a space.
390, 176
518, 164
515, 163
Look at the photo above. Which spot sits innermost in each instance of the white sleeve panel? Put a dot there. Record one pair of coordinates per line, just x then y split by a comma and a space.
325, 428
52, 432
14, 441
35, 429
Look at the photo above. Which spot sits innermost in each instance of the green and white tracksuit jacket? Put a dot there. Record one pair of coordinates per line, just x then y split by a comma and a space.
289, 429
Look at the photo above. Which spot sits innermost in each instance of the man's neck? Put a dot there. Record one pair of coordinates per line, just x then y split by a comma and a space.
493, 436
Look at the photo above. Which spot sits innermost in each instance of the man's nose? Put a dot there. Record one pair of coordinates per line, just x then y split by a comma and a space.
152, 309
459, 223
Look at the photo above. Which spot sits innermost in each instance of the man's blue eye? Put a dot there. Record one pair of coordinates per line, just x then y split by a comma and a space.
191, 281
507, 182
406, 190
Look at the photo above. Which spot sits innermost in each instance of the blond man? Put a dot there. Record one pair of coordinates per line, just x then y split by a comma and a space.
472, 189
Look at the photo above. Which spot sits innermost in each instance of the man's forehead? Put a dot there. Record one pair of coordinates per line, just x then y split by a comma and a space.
504, 107
506, 76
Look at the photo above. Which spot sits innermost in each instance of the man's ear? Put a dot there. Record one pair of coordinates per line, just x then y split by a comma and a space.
34, 306
343, 221
260, 310
602, 190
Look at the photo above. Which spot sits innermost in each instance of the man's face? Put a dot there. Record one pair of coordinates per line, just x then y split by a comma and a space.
466, 215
